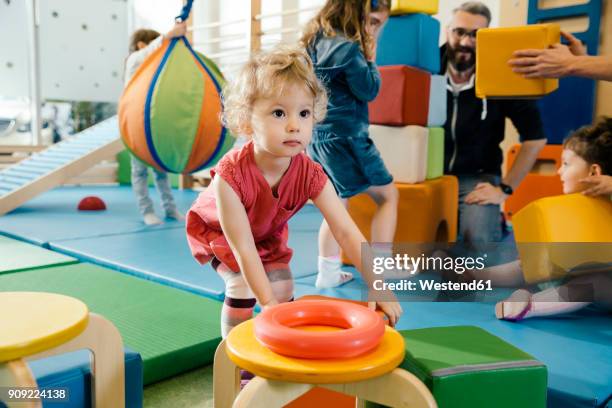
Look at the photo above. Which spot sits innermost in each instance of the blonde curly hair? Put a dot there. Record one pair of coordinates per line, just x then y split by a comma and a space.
265, 75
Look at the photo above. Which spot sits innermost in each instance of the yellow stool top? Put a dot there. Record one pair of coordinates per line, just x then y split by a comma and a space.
32, 322
246, 352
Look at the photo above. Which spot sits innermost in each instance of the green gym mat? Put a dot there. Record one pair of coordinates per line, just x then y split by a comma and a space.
18, 256
174, 331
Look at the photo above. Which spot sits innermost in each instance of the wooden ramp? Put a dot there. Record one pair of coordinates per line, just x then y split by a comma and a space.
57, 164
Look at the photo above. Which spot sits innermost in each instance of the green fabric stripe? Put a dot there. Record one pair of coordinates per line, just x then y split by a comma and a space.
230, 139
435, 153
174, 114
485, 367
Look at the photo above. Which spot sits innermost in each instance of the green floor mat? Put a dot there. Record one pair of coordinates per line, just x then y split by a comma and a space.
174, 331
18, 256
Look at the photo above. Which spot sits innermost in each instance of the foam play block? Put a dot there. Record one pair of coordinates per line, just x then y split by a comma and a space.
436, 114
426, 213
414, 6
557, 234
435, 153
466, 366
410, 40
404, 151
541, 181
403, 98
73, 372
494, 77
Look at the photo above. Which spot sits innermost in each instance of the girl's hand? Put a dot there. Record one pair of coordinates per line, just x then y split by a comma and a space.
179, 30
270, 303
393, 310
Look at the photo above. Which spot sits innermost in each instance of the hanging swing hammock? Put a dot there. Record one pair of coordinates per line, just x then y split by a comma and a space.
169, 113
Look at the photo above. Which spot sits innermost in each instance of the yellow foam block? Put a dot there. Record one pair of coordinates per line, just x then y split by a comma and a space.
414, 6
556, 234
494, 77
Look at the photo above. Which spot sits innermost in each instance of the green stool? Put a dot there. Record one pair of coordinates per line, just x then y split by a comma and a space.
467, 367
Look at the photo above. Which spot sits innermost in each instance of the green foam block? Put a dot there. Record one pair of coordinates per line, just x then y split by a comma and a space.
466, 366
16, 256
174, 331
435, 153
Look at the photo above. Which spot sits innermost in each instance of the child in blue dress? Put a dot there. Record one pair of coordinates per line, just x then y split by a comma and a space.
341, 41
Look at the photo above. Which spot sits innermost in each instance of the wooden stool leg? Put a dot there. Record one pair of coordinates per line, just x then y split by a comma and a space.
399, 388
16, 373
263, 393
226, 379
102, 338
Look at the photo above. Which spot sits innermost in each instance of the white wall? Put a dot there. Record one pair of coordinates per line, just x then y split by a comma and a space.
446, 10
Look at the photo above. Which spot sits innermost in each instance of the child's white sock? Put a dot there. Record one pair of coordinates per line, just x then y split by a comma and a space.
151, 219
330, 273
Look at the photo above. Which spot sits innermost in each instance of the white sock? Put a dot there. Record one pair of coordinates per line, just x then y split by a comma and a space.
152, 219
330, 273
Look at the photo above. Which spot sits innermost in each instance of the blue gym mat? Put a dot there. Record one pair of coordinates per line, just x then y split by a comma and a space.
54, 216
163, 256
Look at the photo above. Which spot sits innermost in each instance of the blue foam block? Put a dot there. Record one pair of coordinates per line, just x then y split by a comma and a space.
54, 216
410, 39
73, 371
163, 256
437, 102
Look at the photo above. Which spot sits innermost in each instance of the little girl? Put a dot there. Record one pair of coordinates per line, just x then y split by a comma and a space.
142, 44
341, 41
587, 152
239, 222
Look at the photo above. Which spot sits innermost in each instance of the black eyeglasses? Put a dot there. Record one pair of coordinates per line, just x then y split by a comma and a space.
462, 32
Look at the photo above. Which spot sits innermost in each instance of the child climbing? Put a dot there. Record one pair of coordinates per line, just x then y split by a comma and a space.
341, 40
239, 223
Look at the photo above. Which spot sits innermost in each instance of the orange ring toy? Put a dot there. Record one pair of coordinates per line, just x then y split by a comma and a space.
276, 329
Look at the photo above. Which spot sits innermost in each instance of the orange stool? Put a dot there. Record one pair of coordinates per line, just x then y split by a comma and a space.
426, 213
542, 181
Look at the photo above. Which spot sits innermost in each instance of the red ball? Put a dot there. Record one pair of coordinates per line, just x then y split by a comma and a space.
91, 203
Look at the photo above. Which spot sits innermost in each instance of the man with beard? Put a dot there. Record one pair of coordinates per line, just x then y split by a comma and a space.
475, 128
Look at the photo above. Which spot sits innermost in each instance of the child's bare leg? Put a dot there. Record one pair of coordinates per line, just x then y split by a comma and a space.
384, 221
239, 300
329, 264
567, 298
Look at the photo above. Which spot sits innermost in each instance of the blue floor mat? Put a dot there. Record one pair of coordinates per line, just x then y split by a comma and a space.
54, 216
163, 256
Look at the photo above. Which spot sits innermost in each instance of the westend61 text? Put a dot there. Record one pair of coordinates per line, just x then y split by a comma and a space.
428, 285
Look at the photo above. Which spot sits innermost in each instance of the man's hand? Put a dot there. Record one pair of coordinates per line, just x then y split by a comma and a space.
554, 62
485, 193
598, 185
